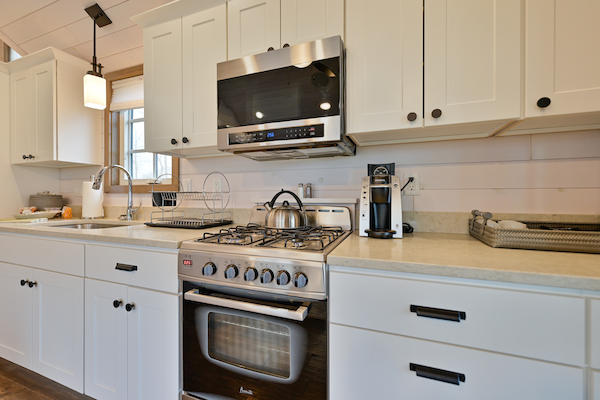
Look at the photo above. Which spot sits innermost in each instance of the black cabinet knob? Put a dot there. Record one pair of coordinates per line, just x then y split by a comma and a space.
436, 113
117, 303
185, 140
543, 102
173, 141
286, 45
24, 282
24, 157
270, 49
32, 284
129, 306
411, 116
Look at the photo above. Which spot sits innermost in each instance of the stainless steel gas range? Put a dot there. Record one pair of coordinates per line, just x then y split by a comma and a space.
255, 308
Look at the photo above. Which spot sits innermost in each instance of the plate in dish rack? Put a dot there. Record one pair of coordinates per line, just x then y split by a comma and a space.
34, 215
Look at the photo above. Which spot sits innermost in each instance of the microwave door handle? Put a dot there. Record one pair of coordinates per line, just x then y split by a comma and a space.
295, 315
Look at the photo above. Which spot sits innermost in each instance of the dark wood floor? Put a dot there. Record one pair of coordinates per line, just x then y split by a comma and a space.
17, 383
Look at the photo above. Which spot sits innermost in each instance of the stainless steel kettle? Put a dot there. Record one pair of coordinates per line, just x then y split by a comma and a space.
285, 216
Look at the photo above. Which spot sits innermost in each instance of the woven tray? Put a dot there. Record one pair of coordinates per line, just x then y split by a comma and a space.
555, 236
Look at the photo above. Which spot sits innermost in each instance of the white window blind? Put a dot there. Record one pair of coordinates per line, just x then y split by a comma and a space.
127, 94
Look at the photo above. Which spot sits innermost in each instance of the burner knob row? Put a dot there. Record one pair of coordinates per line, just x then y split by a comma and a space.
266, 275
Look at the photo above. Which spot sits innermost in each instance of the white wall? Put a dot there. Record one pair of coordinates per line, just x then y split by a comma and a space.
544, 173
18, 183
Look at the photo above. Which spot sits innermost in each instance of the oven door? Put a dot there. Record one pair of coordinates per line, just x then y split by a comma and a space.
240, 348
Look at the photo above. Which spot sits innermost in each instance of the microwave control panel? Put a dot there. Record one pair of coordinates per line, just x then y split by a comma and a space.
271, 135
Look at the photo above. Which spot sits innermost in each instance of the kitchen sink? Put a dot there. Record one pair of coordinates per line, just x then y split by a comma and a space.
89, 226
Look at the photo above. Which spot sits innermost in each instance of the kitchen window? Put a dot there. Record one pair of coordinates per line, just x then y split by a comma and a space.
124, 138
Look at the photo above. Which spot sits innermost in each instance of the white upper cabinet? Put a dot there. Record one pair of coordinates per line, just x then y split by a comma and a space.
163, 86
180, 82
255, 26
204, 45
49, 124
456, 76
562, 61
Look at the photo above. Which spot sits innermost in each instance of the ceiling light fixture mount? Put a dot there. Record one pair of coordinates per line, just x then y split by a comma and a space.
94, 85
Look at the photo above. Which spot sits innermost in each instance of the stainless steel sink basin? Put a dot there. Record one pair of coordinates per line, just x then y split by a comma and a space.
89, 226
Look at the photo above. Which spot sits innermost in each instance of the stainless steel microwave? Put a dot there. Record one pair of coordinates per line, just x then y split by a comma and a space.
284, 104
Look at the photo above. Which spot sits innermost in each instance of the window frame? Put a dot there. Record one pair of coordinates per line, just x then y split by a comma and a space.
112, 142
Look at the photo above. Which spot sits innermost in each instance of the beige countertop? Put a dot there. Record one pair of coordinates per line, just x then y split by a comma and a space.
462, 256
131, 233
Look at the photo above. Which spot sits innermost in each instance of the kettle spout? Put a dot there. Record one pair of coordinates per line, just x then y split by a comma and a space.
268, 206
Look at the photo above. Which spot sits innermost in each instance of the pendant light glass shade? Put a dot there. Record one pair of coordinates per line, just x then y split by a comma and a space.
94, 92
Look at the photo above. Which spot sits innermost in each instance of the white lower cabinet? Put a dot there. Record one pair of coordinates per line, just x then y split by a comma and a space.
131, 342
595, 392
42, 322
372, 365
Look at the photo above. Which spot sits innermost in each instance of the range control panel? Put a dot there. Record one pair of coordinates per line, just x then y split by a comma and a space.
311, 131
254, 273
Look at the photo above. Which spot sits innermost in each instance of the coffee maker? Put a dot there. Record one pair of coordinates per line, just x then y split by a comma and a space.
380, 203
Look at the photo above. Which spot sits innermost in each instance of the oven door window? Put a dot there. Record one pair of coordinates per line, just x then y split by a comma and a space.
290, 93
250, 343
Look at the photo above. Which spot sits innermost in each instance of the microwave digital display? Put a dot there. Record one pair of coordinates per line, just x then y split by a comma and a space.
312, 131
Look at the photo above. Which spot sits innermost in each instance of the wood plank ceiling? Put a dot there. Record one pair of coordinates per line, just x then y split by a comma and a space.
31, 25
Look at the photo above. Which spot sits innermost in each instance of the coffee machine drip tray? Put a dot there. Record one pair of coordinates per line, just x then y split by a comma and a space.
380, 234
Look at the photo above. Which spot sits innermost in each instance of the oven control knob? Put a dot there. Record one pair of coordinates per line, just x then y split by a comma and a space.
300, 280
209, 269
231, 271
251, 274
283, 278
266, 276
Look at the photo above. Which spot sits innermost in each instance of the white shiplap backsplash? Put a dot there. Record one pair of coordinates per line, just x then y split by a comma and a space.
553, 173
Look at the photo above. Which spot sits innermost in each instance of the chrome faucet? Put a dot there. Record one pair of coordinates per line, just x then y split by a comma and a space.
96, 185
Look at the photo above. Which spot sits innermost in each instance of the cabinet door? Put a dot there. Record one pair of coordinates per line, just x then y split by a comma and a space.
153, 345
307, 20
472, 61
204, 45
58, 328
563, 55
384, 64
595, 386
253, 27
163, 86
595, 334
105, 340
371, 365
21, 116
43, 92
15, 314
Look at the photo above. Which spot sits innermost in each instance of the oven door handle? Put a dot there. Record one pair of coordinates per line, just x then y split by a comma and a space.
295, 315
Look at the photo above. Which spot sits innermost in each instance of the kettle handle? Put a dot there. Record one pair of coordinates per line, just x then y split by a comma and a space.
272, 203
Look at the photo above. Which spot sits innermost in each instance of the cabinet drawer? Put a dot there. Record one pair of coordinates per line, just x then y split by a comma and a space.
373, 365
595, 334
51, 255
131, 266
543, 326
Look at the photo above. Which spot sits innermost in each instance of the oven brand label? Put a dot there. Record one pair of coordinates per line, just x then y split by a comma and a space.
246, 391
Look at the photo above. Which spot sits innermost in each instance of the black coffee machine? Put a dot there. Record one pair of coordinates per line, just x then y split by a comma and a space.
380, 203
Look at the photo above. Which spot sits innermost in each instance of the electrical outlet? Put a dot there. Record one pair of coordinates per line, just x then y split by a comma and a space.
216, 184
186, 185
78, 190
413, 188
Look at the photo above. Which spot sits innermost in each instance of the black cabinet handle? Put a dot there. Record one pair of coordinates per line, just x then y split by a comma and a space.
117, 303
436, 113
24, 282
185, 140
126, 267
270, 49
411, 116
129, 306
32, 284
544, 102
286, 45
173, 141
438, 374
438, 313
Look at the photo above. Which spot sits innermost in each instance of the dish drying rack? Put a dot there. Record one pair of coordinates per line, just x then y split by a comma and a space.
168, 203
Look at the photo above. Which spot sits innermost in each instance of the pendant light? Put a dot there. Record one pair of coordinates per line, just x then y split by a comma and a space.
94, 85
